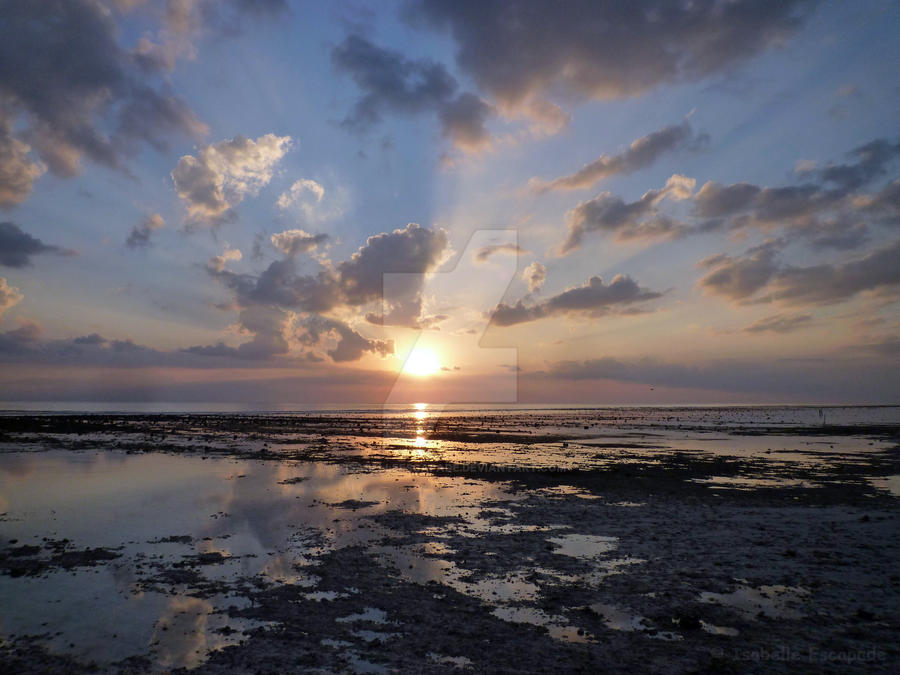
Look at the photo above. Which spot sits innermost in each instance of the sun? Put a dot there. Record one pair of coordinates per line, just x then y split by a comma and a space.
422, 361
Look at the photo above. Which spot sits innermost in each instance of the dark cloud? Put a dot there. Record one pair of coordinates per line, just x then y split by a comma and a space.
392, 83
18, 247
141, 233
20, 339
524, 50
78, 92
752, 205
485, 252
884, 203
871, 162
92, 339
352, 283
350, 346
877, 271
594, 298
739, 278
829, 212
779, 323
641, 153
628, 220
758, 276
463, 121
825, 211
414, 249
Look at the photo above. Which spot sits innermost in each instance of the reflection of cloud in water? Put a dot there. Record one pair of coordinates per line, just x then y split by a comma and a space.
180, 635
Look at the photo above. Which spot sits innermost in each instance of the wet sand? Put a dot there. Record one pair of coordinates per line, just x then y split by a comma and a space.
612, 540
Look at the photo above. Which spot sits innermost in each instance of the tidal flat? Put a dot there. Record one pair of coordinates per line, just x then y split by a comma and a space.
758, 539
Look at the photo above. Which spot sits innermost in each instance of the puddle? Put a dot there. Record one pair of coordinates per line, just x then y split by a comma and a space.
370, 614
555, 625
889, 484
457, 661
719, 630
777, 602
751, 483
619, 619
583, 545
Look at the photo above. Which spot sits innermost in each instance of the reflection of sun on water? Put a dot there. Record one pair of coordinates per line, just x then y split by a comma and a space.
421, 415
421, 361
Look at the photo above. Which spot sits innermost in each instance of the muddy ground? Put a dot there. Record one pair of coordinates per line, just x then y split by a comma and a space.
526, 543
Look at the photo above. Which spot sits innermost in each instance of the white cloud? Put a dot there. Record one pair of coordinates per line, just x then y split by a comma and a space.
535, 275
292, 242
223, 174
9, 296
308, 198
297, 193
217, 262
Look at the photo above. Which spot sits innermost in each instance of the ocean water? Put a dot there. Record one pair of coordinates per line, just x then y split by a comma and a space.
713, 414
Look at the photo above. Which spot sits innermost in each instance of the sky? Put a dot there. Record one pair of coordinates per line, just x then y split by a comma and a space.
273, 202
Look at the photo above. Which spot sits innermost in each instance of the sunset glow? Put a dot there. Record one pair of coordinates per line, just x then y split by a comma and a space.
422, 362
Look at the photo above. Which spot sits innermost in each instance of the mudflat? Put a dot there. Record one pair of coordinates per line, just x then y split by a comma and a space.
605, 540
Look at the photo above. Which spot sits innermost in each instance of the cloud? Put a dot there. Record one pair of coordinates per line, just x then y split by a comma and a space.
297, 192
76, 93
413, 249
779, 323
594, 298
221, 175
293, 242
885, 202
641, 153
350, 345
628, 220
9, 296
22, 338
92, 339
350, 284
518, 52
184, 21
309, 199
17, 171
534, 275
871, 162
758, 277
843, 380
485, 252
826, 209
17, 247
739, 278
463, 120
392, 83
141, 233
216, 264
